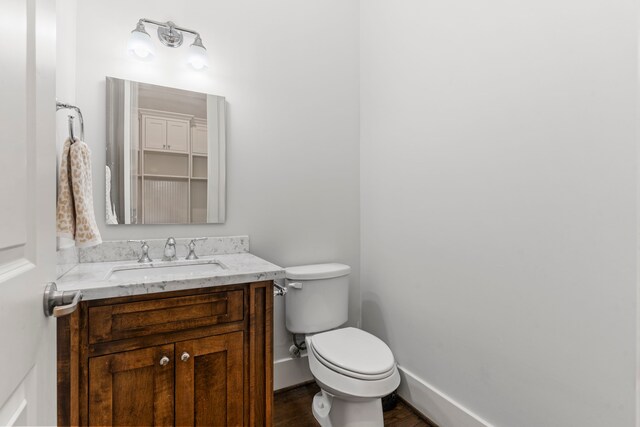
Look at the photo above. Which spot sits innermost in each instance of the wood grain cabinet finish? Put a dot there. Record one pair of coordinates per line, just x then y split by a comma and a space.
132, 388
209, 381
127, 320
198, 357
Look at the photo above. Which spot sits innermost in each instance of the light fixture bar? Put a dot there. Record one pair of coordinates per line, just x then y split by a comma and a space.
169, 25
170, 35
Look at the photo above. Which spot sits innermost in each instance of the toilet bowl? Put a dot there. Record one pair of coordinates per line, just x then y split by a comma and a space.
353, 368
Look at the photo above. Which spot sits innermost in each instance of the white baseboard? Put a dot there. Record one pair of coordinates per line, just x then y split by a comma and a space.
434, 404
289, 372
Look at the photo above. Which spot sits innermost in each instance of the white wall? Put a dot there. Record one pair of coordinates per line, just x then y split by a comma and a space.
499, 207
289, 71
66, 11
498, 170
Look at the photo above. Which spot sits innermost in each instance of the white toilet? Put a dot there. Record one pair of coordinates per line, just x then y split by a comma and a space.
353, 368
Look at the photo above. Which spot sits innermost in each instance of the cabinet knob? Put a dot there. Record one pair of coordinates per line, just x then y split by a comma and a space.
185, 356
164, 361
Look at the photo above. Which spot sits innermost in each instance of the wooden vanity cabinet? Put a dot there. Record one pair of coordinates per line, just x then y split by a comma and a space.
197, 357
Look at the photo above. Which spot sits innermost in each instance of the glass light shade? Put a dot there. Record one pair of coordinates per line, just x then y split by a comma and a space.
140, 45
197, 57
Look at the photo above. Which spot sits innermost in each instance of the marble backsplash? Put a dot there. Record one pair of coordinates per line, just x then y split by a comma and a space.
66, 260
121, 250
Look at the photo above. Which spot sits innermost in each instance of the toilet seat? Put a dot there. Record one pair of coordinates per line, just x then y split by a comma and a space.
339, 380
354, 353
351, 374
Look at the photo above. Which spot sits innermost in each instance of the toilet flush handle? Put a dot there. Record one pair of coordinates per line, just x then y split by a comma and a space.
295, 285
278, 291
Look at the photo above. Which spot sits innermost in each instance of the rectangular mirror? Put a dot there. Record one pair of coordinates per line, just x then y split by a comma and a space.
165, 155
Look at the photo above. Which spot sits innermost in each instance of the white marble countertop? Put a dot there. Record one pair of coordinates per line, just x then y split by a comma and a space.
92, 278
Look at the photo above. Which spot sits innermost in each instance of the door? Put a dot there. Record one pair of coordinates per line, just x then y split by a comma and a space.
27, 217
154, 133
133, 388
178, 136
209, 381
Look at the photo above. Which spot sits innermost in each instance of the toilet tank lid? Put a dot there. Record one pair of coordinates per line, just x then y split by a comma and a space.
317, 271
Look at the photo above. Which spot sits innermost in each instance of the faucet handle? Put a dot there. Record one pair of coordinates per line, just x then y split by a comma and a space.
191, 247
144, 255
170, 250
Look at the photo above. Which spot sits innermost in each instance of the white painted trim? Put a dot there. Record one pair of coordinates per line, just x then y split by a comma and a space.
15, 268
159, 114
217, 153
289, 372
19, 414
222, 159
19, 409
126, 179
434, 404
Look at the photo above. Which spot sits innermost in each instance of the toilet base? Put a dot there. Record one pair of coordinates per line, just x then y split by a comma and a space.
334, 411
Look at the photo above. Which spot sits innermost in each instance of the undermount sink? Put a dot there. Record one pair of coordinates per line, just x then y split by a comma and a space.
186, 269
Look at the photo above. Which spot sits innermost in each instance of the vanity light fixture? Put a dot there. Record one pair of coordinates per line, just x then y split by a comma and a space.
170, 35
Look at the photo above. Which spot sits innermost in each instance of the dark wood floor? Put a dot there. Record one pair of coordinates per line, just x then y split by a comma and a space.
293, 409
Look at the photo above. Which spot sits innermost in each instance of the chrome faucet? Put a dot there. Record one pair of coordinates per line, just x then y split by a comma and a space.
170, 250
191, 248
144, 251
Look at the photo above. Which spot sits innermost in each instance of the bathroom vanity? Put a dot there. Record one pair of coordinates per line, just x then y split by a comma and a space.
151, 346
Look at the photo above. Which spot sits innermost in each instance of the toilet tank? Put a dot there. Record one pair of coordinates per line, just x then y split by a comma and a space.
317, 297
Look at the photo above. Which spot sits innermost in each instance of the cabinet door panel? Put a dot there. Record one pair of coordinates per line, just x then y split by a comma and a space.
209, 384
177, 135
132, 388
137, 319
154, 133
199, 143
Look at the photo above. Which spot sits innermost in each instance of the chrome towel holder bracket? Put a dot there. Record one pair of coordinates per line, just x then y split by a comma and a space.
65, 106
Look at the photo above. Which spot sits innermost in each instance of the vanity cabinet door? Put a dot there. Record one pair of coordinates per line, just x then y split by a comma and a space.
132, 388
178, 135
209, 381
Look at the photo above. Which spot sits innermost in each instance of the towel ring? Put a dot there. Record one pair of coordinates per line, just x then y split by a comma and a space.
71, 135
64, 105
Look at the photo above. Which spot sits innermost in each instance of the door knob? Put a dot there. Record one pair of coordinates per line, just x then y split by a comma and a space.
164, 361
185, 356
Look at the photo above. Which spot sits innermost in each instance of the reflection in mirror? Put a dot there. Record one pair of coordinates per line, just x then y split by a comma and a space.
165, 155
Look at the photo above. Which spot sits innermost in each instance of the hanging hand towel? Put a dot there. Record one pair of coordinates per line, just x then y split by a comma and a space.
65, 212
112, 217
75, 217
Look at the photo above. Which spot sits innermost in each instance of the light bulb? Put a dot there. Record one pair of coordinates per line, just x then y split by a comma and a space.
197, 55
140, 43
